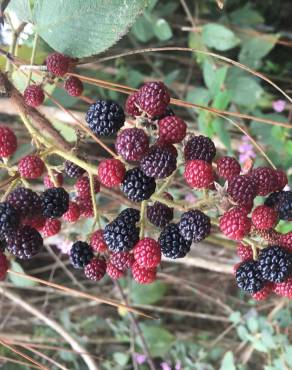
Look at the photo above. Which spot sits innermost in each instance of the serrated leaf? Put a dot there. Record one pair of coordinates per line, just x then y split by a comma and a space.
18, 280
22, 8
84, 27
219, 37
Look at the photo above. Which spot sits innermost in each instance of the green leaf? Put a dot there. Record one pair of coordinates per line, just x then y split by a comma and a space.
198, 95
18, 280
253, 324
254, 49
159, 340
228, 362
288, 355
235, 317
162, 30
148, 294
218, 81
121, 358
219, 126
244, 90
219, 37
246, 16
196, 42
209, 72
84, 27
22, 8
143, 29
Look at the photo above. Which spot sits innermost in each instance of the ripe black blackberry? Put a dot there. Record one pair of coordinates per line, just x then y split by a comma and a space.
158, 162
72, 170
284, 206
80, 254
275, 264
120, 235
9, 218
25, 201
172, 243
194, 225
159, 214
199, 147
130, 215
248, 277
105, 117
24, 243
55, 202
137, 186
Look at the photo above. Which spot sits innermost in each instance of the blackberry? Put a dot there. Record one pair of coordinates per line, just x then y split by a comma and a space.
242, 189
120, 235
159, 162
284, 206
130, 215
55, 202
132, 144
199, 147
24, 243
194, 225
159, 214
80, 254
137, 186
172, 243
248, 277
25, 201
105, 117
9, 218
275, 264
72, 170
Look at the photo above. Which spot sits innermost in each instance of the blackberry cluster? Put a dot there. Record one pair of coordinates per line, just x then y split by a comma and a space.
80, 254
105, 117
172, 243
159, 162
195, 225
54, 202
137, 186
121, 234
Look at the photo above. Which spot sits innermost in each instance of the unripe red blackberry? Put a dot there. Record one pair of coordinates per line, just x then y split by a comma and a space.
284, 289
285, 240
198, 174
58, 64
244, 252
31, 167
4, 266
113, 272
199, 147
8, 142
86, 207
95, 269
160, 214
281, 180
265, 180
73, 86
34, 95
25, 201
58, 178
242, 189
264, 293
228, 167
51, 227
24, 243
194, 225
72, 170
153, 98
132, 144
82, 186
143, 275
235, 224
137, 186
264, 217
97, 242
147, 253
122, 260
158, 162
172, 129
111, 172
131, 108
73, 212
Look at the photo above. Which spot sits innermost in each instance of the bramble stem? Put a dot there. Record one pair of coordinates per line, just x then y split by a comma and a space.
93, 199
32, 58
142, 218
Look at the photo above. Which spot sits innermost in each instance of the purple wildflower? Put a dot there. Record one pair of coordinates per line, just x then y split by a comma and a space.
279, 105
246, 150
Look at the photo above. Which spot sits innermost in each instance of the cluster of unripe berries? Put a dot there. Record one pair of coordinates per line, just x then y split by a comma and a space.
151, 145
